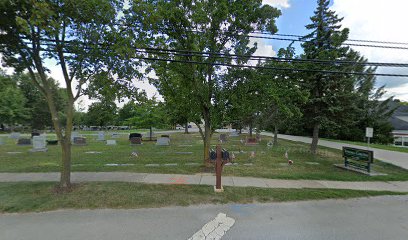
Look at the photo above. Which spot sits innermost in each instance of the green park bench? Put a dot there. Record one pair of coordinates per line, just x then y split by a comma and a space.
358, 158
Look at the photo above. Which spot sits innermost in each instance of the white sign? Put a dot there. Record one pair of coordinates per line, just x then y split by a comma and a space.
369, 132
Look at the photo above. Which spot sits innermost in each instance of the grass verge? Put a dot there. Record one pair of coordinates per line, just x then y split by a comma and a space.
36, 197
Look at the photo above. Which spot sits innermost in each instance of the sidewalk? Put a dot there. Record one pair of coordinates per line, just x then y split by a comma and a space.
204, 179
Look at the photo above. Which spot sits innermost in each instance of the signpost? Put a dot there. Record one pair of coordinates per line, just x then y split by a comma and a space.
369, 134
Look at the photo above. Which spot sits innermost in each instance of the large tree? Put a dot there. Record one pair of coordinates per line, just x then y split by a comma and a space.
213, 27
74, 33
325, 42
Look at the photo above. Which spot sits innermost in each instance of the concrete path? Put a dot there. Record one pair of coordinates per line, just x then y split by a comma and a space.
399, 159
204, 179
375, 218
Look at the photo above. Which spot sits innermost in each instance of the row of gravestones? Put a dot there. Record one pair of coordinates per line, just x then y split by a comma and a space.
136, 139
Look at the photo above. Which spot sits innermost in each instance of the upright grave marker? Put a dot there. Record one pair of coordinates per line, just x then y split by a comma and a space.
101, 136
39, 144
80, 141
2, 141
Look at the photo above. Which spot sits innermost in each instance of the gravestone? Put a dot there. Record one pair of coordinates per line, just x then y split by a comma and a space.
15, 135
39, 144
223, 138
2, 141
101, 136
24, 141
270, 144
135, 135
136, 141
80, 141
52, 142
33, 134
74, 135
115, 135
111, 142
163, 141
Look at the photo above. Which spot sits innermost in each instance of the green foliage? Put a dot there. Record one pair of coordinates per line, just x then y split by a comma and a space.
12, 102
101, 114
147, 114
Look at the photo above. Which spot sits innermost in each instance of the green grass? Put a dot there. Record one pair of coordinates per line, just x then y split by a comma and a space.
268, 163
29, 197
379, 146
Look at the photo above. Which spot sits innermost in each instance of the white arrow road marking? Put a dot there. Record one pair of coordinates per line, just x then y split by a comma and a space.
214, 229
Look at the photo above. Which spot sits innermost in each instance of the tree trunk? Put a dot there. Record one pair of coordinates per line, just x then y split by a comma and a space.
250, 129
151, 133
275, 136
186, 129
65, 179
315, 140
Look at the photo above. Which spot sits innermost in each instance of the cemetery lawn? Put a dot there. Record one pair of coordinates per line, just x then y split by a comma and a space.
185, 155
29, 197
379, 146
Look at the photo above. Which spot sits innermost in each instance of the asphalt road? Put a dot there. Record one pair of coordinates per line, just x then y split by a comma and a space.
376, 218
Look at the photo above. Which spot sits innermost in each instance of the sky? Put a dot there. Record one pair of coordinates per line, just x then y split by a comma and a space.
367, 20
378, 20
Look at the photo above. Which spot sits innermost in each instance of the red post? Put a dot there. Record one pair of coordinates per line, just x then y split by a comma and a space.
218, 170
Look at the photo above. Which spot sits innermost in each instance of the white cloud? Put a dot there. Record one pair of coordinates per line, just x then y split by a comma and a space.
277, 3
383, 21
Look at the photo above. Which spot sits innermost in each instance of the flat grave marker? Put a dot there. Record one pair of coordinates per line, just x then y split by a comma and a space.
111, 142
93, 152
119, 164
152, 165
163, 141
183, 152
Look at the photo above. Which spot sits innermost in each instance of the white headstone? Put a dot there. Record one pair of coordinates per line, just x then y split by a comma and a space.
15, 135
101, 136
115, 135
74, 135
163, 141
2, 141
39, 144
111, 142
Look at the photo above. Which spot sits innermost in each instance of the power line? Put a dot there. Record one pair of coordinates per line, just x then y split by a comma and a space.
348, 40
274, 68
257, 57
